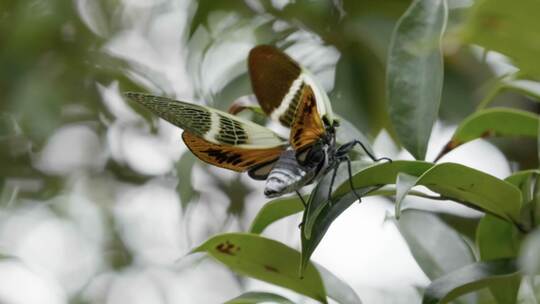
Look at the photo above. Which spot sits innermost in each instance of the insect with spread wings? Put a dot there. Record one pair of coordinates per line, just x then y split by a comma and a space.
286, 93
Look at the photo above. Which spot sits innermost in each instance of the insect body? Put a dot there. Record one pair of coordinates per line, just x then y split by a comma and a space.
289, 94
286, 93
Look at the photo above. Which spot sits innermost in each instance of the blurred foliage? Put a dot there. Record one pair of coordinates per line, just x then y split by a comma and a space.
55, 55
50, 65
509, 29
259, 297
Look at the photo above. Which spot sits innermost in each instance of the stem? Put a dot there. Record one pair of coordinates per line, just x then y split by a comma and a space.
489, 97
498, 86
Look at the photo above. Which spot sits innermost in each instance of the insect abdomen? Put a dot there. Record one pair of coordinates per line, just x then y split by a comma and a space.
286, 176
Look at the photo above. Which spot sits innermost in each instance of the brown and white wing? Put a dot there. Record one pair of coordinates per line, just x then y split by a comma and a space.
307, 127
218, 138
259, 162
278, 81
214, 126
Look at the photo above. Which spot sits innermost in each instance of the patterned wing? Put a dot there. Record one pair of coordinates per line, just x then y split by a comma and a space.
278, 81
258, 161
307, 127
212, 125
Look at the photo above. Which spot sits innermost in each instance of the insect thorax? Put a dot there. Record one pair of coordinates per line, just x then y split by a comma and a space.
289, 174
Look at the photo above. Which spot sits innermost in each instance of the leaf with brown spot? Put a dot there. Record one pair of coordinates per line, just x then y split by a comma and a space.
493, 122
271, 268
452, 181
266, 260
227, 248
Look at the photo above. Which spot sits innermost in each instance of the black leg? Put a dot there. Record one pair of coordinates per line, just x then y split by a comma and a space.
350, 179
301, 199
373, 158
332, 182
305, 206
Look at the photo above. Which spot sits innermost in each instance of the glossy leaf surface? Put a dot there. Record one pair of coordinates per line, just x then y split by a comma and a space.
267, 260
415, 73
467, 279
494, 122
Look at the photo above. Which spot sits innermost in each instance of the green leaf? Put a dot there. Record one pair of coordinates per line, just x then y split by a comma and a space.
381, 174
519, 178
206, 7
512, 83
184, 167
493, 122
507, 28
498, 239
404, 183
266, 260
538, 144
436, 247
456, 182
497, 122
475, 189
274, 211
314, 16
259, 297
7, 256
467, 279
535, 202
525, 181
415, 73
529, 259
523, 86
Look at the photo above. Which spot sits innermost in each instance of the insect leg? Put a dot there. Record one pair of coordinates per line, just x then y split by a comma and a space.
305, 206
369, 154
350, 178
334, 173
301, 198
344, 149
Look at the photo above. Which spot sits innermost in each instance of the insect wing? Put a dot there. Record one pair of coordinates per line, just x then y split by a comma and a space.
258, 161
307, 127
214, 126
278, 82
219, 138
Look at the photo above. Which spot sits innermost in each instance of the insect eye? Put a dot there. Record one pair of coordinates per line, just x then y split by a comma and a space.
316, 155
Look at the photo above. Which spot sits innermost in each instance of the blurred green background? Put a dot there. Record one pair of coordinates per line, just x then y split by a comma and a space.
97, 197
